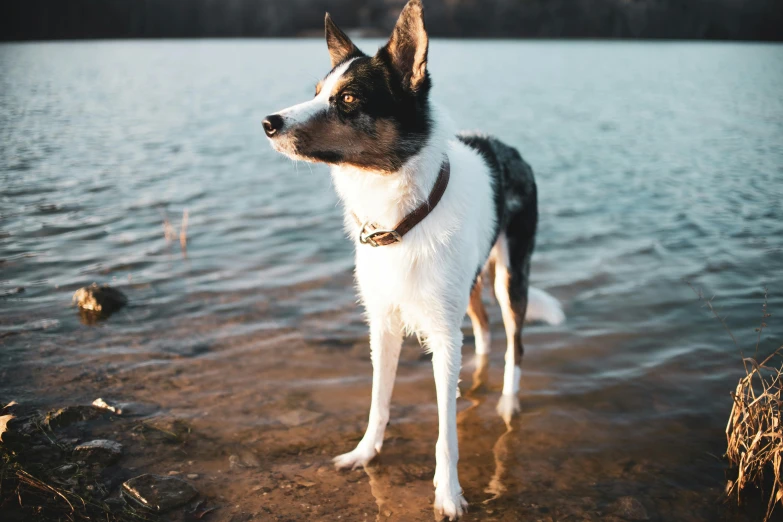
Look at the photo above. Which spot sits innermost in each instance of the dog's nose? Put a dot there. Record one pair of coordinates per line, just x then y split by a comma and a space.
273, 124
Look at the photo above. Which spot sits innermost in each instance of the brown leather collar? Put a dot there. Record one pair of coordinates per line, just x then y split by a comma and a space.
370, 234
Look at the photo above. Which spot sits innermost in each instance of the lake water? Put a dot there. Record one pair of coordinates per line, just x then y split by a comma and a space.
657, 164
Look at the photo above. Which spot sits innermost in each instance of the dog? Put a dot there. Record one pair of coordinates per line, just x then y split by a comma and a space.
434, 216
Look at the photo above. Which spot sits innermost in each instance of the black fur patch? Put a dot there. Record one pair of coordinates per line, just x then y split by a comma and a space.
515, 196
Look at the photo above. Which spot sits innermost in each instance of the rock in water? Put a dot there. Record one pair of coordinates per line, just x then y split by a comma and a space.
103, 452
158, 493
100, 299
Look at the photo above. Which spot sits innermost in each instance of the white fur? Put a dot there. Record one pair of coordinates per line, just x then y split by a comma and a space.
482, 337
422, 284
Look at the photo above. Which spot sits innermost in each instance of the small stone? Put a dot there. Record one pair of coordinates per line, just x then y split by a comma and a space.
158, 493
172, 473
101, 451
192, 476
629, 508
245, 459
101, 299
100, 403
304, 482
233, 462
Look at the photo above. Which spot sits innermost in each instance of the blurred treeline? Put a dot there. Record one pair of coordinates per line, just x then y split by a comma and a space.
681, 19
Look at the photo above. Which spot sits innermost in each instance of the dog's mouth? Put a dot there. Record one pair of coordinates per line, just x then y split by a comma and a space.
297, 143
286, 144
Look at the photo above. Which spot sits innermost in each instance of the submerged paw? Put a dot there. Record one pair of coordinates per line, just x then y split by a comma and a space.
449, 504
508, 405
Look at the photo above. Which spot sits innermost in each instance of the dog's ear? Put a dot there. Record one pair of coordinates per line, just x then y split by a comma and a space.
340, 46
408, 44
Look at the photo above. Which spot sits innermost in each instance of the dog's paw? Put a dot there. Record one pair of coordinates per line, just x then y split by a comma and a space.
357, 458
449, 502
508, 405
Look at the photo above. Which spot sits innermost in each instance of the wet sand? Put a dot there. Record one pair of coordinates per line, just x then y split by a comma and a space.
259, 428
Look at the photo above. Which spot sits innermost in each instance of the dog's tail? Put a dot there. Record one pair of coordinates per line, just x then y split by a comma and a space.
543, 307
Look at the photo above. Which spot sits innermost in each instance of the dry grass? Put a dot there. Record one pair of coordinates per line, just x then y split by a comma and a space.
755, 429
754, 433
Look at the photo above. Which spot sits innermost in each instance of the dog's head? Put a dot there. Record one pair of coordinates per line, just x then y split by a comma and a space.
370, 112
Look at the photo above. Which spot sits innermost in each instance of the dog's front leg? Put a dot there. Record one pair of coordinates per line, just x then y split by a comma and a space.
385, 344
446, 361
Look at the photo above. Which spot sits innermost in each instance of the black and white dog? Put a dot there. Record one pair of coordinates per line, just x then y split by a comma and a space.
434, 216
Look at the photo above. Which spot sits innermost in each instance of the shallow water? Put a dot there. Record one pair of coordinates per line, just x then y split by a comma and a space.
657, 164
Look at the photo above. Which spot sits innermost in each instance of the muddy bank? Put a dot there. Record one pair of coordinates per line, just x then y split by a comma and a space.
55, 466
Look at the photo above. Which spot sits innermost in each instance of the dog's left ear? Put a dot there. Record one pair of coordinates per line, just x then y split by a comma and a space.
408, 44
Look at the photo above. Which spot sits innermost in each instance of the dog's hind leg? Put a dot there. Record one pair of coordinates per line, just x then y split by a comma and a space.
385, 344
479, 318
512, 258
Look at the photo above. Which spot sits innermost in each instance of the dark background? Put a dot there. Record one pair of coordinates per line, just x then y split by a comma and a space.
675, 19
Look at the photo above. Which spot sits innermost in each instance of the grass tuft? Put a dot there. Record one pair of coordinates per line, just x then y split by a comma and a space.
755, 429
754, 433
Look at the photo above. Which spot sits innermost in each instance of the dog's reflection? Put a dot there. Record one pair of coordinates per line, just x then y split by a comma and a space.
496, 488
380, 489
384, 487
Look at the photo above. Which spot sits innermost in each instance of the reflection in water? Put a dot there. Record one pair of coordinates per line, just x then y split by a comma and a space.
500, 451
500, 448
389, 481
379, 489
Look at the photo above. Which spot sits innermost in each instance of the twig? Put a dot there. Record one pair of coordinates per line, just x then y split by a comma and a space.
183, 232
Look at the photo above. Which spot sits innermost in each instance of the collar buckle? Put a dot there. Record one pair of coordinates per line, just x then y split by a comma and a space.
369, 237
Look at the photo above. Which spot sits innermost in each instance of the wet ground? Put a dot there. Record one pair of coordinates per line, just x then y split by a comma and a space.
657, 165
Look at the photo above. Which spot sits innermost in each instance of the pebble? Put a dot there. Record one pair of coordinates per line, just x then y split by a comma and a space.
192, 476
157, 493
100, 451
245, 459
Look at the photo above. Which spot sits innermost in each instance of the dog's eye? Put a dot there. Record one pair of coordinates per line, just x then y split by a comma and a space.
349, 98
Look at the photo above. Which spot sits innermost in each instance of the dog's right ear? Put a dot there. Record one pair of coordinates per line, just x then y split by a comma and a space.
340, 46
